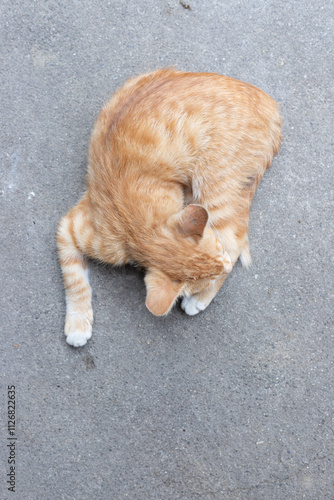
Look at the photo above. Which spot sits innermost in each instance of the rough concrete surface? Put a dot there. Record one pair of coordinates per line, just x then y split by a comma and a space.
235, 403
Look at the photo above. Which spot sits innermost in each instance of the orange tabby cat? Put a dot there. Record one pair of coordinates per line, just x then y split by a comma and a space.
174, 161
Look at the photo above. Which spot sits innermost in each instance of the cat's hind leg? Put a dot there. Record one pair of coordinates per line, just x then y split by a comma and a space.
74, 235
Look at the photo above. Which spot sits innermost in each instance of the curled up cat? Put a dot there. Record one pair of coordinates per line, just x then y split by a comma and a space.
174, 161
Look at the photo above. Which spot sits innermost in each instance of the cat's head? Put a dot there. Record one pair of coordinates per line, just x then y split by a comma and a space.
187, 258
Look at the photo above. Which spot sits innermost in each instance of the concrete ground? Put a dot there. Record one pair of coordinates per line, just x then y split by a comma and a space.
235, 403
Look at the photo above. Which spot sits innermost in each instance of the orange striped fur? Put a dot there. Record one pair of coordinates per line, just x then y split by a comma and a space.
174, 161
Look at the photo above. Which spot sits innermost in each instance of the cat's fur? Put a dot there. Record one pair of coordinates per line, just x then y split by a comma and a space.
174, 161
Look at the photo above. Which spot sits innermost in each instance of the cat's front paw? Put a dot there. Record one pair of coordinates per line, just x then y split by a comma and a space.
79, 338
192, 306
78, 328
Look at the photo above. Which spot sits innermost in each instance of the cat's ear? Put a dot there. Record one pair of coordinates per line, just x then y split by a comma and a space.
162, 292
191, 221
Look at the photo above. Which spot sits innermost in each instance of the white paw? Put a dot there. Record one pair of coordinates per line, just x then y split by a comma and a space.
191, 306
79, 338
78, 328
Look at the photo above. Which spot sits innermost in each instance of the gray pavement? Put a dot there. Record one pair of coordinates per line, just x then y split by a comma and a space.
236, 403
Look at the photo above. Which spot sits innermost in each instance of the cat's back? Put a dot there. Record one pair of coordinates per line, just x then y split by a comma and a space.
166, 95
178, 119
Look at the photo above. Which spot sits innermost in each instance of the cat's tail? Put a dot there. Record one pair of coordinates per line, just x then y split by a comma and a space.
70, 237
274, 133
245, 256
